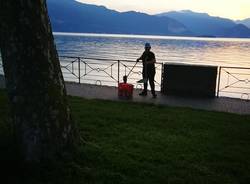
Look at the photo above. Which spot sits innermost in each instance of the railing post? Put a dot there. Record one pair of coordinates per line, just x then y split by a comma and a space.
118, 72
79, 70
218, 86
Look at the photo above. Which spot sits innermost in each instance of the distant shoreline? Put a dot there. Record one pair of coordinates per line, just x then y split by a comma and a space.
207, 38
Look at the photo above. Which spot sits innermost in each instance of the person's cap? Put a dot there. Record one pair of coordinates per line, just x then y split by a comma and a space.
147, 45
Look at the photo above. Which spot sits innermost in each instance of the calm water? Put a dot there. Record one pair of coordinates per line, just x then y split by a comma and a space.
205, 51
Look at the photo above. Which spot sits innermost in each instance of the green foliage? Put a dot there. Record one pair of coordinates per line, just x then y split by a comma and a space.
139, 143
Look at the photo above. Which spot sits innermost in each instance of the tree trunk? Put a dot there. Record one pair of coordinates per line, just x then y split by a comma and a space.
34, 81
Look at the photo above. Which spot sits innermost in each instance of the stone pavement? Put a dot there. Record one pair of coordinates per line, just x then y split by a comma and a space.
221, 104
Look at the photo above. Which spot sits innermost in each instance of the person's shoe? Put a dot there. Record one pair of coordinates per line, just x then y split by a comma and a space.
143, 93
154, 95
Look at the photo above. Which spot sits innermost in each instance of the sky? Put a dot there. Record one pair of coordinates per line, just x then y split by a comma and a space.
233, 9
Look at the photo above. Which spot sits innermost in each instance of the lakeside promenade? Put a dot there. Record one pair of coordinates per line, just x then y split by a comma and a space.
221, 104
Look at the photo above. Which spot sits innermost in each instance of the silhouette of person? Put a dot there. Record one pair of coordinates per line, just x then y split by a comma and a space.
148, 72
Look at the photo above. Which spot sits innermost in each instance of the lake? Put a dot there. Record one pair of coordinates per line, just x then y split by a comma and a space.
191, 50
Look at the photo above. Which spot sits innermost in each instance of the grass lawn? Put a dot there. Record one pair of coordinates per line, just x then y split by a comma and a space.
139, 143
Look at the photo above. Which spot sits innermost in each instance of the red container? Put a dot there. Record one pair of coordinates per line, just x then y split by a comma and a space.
125, 90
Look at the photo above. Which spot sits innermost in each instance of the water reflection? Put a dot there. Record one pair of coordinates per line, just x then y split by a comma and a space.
208, 51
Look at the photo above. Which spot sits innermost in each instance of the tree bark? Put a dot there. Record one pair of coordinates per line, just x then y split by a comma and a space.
43, 124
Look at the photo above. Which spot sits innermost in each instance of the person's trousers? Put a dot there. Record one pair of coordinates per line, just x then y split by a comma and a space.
149, 76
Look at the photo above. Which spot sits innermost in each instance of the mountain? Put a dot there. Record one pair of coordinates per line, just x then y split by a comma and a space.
246, 22
239, 31
203, 24
73, 16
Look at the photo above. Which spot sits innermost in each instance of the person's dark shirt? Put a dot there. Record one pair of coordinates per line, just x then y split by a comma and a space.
148, 56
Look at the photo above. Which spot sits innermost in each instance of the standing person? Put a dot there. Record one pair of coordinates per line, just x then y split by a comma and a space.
148, 72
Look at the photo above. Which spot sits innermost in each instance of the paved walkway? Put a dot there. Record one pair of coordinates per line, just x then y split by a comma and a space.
221, 104
110, 93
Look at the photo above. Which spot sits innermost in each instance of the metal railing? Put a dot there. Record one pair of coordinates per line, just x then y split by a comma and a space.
105, 71
231, 81
234, 82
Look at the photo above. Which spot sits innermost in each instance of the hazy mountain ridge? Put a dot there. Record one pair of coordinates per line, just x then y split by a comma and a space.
238, 30
204, 24
246, 22
73, 16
